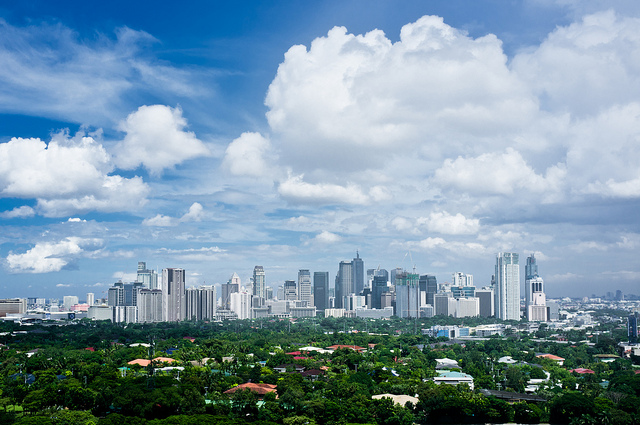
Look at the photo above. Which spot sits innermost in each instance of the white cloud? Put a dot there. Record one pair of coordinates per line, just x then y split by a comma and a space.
497, 174
159, 221
349, 100
445, 223
156, 139
63, 285
75, 220
296, 189
47, 257
326, 237
195, 213
249, 155
19, 212
49, 70
67, 175
599, 53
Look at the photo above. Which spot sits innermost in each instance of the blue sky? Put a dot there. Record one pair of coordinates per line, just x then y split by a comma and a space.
216, 136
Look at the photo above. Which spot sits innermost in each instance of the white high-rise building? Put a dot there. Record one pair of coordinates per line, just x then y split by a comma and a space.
507, 286
461, 279
91, 298
150, 306
68, 301
535, 299
304, 286
173, 295
241, 304
149, 278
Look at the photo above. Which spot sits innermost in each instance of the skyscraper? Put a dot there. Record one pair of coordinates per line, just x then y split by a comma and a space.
357, 269
150, 306
232, 286
290, 290
149, 278
344, 282
407, 301
91, 298
304, 286
173, 295
379, 286
321, 290
535, 304
259, 282
507, 286
429, 286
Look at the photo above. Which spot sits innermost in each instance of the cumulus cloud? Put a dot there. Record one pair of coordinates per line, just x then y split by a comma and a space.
445, 223
67, 175
249, 155
196, 213
326, 237
599, 52
156, 139
47, 257
496, 174
350, 99
19, 212
159, 220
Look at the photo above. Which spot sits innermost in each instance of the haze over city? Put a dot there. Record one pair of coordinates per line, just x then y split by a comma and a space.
215, 137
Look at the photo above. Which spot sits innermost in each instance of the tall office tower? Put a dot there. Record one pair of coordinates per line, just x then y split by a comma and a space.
149, 278
173, 295
259, 281
531, 268
268, 293
232, 286
429, 287
68, 301
369, 279
344, 282
290, 293
123, 294
379, 287
507, 286
461, 279
407, 300
394, 273
304, 286
485, 295
357, 269
535, 300
91, 298
632, 328
150, 306
321, 290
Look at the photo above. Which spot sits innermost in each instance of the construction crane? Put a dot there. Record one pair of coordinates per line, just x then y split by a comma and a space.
411, 258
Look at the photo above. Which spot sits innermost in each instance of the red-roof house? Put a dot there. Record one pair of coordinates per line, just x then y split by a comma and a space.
259, 389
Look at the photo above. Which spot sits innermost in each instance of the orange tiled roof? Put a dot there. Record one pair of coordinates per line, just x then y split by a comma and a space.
141, 362
260, 389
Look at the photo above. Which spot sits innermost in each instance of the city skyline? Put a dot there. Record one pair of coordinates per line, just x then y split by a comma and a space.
215, 137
